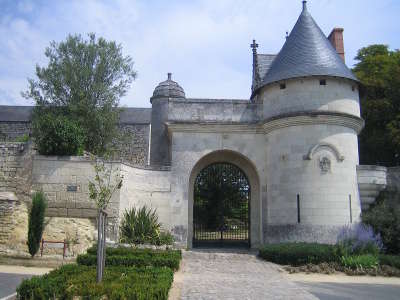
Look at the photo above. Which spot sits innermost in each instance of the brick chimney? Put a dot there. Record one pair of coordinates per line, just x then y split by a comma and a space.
336, 39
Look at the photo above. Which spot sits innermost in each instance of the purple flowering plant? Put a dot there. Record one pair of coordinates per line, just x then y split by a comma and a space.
358, 239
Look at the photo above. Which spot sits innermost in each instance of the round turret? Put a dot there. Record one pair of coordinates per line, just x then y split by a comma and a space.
168, 89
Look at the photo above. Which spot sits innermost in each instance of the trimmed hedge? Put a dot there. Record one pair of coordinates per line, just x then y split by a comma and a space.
390, 260
297, 254
134, 257
71, 281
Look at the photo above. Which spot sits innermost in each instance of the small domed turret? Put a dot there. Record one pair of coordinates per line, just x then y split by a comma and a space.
169, 89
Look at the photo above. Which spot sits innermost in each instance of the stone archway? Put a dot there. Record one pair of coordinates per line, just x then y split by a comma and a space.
249, 170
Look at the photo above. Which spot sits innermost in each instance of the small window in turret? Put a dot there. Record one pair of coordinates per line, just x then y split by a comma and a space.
322, 82
282, 86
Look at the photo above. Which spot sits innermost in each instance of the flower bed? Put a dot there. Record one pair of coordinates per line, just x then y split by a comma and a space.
328, 259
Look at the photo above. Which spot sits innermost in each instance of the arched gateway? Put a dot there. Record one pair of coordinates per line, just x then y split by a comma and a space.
221, 206
224, 201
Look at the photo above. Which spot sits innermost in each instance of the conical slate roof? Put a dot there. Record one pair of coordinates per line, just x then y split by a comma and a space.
307, 52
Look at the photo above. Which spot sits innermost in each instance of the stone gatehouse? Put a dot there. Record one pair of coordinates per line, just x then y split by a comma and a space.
293, 145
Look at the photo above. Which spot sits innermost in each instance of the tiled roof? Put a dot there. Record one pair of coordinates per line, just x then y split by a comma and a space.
129, 115
15, 113
306, 52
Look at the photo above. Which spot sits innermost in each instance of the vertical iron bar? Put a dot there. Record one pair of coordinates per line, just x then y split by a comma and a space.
298, 208
351, 213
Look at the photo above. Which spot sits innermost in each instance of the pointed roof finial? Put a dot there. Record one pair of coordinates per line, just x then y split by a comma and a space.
169, 76
254, 46
304, 5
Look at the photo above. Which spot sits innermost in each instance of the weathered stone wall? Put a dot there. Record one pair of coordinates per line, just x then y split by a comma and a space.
13, 225
15, 178
64, 180
213, 110
134, 143
147, 187
79, 233
9, 131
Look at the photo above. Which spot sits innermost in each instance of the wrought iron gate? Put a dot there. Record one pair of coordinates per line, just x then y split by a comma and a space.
221, 206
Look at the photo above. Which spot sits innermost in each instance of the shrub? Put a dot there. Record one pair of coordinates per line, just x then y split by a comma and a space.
75, 281
140, 226
138, 258
389, 260
36, 222
57, 135
297, 254
359, 261
165, 238
385, 219
357, 240
22, 138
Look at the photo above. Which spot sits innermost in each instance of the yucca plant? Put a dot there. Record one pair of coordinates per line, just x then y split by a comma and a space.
140, 226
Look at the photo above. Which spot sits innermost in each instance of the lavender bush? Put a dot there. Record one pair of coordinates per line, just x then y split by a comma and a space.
358, 239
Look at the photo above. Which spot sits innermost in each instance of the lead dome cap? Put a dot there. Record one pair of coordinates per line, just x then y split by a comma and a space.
168, 89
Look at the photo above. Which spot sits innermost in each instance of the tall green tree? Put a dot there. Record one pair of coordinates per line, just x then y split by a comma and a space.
378, 69
36, 222
84, 80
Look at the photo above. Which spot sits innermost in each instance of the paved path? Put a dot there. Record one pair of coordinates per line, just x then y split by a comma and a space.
226, 275
340, 286
9, 282
12, 276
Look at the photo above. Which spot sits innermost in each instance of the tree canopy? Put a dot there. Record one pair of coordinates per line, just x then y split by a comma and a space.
378, 69
84, 80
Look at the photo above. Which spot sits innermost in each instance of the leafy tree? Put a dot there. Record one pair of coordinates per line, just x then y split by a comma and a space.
36, 222
84, 80
107, 181
384, 217
57, 135
378, 69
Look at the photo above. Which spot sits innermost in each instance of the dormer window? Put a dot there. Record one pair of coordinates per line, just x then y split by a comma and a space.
282, 86
322, 82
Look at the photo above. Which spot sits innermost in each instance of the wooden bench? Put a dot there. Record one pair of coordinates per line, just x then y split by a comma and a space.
54, 245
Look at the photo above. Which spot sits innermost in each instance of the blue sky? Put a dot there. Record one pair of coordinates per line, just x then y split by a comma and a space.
205, 43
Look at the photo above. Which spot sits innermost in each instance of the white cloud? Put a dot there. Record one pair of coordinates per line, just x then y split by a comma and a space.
205, 44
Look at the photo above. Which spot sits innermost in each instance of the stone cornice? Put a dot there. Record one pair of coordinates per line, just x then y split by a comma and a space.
214, 127
315, 118
269, 125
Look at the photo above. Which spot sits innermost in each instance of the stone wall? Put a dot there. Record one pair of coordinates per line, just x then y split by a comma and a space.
13, 225
9, 131
134, 143
64, 180
147, 187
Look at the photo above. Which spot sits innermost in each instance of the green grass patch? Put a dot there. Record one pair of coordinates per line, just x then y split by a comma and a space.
72, 281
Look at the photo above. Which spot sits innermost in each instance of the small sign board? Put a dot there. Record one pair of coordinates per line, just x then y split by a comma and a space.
59, 245
72, 188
